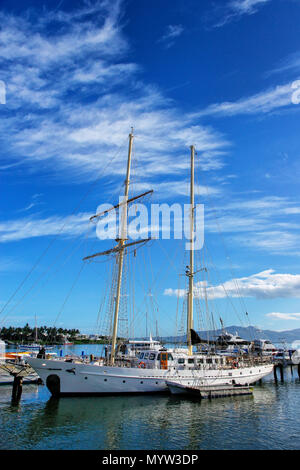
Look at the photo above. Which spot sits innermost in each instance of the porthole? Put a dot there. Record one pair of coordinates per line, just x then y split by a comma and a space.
105, 380
142, 382
124, 381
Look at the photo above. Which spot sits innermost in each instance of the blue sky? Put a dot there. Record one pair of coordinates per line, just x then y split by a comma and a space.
218, 75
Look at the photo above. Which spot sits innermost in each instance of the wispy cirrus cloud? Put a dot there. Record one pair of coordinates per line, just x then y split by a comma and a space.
288, 64
246, 7
173, 31
31, 227
264, 285
35, 201
269, 224
284, 316
267, 101
72, 98
235, 9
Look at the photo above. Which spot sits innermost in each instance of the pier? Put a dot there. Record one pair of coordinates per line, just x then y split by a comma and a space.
209, 391
19, 374
224, 391
280, 366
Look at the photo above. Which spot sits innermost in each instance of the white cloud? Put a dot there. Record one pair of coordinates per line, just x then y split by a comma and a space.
263, 102
176, 188
276, 242
247, 7
72, 98
289, 64
267, 224
173, 31
264, 285
235, 9
284, 316
10, 264
30, 227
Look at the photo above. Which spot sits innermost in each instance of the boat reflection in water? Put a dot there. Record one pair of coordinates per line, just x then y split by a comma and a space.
134, 422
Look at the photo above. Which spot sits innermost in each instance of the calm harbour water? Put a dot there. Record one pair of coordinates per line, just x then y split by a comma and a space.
268, 420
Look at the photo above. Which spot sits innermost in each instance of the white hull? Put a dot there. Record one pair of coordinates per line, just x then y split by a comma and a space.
87, 379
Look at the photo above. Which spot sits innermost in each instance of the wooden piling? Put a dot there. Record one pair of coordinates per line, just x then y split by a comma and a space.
280, 367
17, 388
281, 372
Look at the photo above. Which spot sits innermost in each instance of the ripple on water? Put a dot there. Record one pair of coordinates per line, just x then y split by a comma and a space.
268, 420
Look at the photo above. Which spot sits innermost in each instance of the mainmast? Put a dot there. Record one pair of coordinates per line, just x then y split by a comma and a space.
191, 266
36, 335
121, 247
123, 238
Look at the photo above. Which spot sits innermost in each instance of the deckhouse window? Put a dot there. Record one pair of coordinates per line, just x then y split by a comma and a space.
151, 356
146, 356
191, 361
181, 360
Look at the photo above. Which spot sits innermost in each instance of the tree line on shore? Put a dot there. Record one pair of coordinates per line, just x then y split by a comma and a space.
42, 334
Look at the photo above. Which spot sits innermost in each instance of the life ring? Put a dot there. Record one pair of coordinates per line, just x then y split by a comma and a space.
142, 365
235, 365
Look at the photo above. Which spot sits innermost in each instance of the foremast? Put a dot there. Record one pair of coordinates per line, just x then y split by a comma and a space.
122, 239
191, 266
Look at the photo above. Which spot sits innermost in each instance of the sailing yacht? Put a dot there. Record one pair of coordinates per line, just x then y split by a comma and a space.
149, 370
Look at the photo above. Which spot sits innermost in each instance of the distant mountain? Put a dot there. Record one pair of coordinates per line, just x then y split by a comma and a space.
249, 333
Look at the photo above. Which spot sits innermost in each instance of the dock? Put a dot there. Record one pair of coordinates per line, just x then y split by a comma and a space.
12, 370
280, 366
16, 375
209, 392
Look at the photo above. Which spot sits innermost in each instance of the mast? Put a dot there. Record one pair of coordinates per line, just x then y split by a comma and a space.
191, 266
122, 240
36, 335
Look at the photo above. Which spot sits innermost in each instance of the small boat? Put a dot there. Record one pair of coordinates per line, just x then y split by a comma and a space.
34, 347
286, 357
132, 348
228, 343
264, 347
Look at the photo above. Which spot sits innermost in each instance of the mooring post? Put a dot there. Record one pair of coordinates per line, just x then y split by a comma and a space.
275, 373
280, 367
281, 372
17, 388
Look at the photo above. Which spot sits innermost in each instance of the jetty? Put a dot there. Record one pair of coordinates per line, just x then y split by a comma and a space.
17, 375
211, 391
